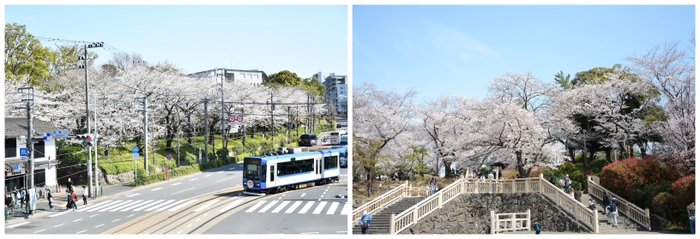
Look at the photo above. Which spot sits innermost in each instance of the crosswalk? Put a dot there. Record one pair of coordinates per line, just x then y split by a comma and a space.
264, 206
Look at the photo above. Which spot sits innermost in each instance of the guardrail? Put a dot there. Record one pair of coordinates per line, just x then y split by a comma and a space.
510, 222
382, 200
521, 185
629, 209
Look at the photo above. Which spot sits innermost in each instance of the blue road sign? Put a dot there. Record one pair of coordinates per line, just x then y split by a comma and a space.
135, 156
169, 156
16, 168
23, 152
135, 149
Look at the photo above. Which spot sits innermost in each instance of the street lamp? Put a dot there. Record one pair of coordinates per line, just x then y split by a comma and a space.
97, 178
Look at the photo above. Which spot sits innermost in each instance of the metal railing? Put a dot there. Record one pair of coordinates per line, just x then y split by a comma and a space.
629, 209
510, 222
521, 185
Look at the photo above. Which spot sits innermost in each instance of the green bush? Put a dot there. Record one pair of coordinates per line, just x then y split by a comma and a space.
663, 205
597, 166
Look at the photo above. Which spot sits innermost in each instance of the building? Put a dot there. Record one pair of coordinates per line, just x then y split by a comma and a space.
254, 77
336, 94
44, 154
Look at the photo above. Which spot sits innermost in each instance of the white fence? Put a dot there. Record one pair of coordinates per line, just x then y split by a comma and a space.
510, 222
630, 210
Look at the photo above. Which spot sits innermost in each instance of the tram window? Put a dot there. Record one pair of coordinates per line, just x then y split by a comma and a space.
330, 162
264, 173
272, 173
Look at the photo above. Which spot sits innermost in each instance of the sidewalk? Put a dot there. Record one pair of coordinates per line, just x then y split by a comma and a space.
60, 200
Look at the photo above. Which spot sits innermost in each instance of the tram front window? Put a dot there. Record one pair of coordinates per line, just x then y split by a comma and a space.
251, 168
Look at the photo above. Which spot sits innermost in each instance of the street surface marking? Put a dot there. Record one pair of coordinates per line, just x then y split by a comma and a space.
332, 208
256, 206
294, 206
97, 205
156, 189
80, 231
135, 205
117, 219
77, 220
231, 205
302, 195
159, 205
94, 215
346, 209
206, 205
40, 230
182, 205
99, 225
58, 214
306, 207
175, 184
279, 208
169, 205
102, 206
181, 191
18, 224
118, 205
59, 225
147, 205
192, 179
223, 179
320, 207
135, 194
207, 175
131, 215
124, 206
264, 209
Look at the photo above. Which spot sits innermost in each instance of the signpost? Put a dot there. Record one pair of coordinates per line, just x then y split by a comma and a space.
135, 156
59, 133
23, 154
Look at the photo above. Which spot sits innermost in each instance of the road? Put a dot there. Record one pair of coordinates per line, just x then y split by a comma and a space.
208, 202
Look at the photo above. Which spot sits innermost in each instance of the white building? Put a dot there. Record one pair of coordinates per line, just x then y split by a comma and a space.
254, 77
336, 94
44, 154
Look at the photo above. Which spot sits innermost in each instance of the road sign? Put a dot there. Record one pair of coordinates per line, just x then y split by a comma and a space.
23, 154
235, 118
135, 149
169, 156
15, 168
135, 156
59, 133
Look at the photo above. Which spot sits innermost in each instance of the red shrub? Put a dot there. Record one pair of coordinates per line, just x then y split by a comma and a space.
684, 191
621, 176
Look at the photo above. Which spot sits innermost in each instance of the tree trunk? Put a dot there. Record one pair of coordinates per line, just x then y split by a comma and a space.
608, 155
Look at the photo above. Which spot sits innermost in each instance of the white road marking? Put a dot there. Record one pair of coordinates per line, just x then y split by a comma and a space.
40, 230
99, 225
302, 195
207, 175
156, 189
181, 191
159, 205
135, 194
94, 215
268, 206
332, 208
182, 205
223, 179
319, 208
189, 225
206, 205
310, 233
175, 184
80, 231
18, 224
346, 209
193, 179
169, 205
294, 206
231, 205
58, 214
125, 205
59, 225
102, 206
135, 205
116, 219
147, 205
197, 219
77, 220
306, 207
131, 215
118, 205
179, 232
251, 209
279, 208
99, 205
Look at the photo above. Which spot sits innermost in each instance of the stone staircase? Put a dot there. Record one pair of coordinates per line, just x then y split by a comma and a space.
624, 224
381, 219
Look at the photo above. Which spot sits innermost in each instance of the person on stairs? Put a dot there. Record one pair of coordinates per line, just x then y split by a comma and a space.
364, 222
606, 202
613, 211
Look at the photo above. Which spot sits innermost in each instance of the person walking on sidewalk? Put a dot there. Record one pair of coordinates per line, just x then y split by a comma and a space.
85, 192
50, 198
22, 193
691, 216
74, 198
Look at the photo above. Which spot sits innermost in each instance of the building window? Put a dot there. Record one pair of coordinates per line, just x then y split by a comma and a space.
39, 149
10, 148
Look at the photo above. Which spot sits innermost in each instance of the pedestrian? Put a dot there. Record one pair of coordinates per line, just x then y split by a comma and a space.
561, 182
691, 216
606, 202
22, 194
613, 211
433, 184
567, 184
50, 198
74, 198
553, 179
15, 196
591, 205
26, 201
364, 222
85, 192
69, 200
69, 185
537, 227
427, 190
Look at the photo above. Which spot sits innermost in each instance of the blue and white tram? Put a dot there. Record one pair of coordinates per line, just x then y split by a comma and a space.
271, 174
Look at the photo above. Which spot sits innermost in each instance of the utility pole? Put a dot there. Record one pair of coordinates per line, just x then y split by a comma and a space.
206, 131
289, 122
144, 100
30, 141
87, 109
223, 123
243, 125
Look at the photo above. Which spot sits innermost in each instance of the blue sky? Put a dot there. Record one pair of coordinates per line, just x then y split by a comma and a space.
304, 39
456, 50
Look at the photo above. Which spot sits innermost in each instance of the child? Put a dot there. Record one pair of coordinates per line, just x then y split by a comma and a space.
84, 195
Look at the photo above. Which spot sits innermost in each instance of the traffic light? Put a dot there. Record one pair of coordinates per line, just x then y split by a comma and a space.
88, 139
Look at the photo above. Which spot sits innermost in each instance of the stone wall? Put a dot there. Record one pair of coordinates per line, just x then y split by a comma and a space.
470, 214
116, 178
